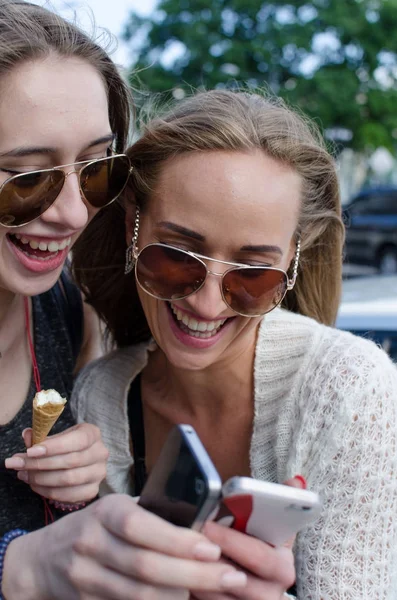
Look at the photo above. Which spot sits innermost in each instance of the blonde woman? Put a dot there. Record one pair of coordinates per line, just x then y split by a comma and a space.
221, 294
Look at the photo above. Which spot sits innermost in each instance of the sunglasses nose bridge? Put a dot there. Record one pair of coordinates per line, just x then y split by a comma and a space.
72, 172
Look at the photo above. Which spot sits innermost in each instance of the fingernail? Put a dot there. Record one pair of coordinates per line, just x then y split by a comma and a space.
36, 451
302, 481
234, 579
23, 476
207, 551
14, 463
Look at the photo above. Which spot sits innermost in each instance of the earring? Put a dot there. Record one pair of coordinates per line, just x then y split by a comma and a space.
131, 253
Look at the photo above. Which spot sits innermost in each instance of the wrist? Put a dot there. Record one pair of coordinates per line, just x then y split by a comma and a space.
17, 582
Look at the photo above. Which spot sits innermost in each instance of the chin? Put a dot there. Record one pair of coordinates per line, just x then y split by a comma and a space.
184, 360
33, 284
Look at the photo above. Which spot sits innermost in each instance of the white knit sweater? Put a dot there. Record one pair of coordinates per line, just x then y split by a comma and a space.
326, 407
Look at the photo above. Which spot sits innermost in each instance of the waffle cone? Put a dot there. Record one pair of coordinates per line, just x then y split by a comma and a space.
44, 417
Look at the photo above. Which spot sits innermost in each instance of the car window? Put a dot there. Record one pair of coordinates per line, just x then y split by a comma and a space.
376, 204
360, 207
387, 205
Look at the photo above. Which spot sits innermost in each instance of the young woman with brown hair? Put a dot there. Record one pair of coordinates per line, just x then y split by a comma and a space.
232, 212
64, 120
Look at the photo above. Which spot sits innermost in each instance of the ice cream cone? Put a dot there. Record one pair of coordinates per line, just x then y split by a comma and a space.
45, 414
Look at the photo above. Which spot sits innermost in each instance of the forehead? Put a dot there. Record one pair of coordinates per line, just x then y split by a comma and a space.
53, 102
221, 193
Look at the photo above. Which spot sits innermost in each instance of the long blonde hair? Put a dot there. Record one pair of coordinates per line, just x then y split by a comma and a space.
233, 121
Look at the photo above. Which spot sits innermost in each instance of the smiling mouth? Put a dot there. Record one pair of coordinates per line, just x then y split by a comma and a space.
38, 249
193, 327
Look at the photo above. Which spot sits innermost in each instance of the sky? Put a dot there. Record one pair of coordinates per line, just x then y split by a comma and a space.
111, 14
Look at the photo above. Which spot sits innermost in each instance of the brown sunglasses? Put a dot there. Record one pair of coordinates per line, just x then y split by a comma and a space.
169, 273
24, 197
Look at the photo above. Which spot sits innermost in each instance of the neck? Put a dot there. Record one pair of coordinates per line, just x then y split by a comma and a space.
12, 321
216, 389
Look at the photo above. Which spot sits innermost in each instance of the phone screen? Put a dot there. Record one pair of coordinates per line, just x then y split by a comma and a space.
178, 487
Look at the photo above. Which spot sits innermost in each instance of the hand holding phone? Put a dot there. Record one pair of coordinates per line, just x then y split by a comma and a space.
185, 489
271, 512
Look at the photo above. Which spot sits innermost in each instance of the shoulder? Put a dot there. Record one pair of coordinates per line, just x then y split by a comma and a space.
310, 362
345, 379
102, 385
328, 348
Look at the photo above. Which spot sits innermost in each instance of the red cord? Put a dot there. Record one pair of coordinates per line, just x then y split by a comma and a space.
48, 516
36, 373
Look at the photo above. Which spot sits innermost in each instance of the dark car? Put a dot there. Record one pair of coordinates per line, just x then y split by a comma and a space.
371, 229
369, 309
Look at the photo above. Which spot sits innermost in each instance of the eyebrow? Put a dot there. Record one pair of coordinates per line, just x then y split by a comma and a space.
182, 230
24, 151
263, 248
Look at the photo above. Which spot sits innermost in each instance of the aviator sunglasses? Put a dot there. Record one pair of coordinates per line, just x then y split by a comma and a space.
169, 273
26, 196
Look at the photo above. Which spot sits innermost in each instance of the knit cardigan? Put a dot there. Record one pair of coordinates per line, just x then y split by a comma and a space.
326, 407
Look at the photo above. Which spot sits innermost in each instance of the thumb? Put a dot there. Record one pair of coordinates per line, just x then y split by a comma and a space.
27, 437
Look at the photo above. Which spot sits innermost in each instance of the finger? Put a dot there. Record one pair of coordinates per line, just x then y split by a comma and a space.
77, 438
211, 596
65, 478
298, 482
256, 589
155, 569
259, 558
95, 454
27, 437
95, 581
81, 493
138, 526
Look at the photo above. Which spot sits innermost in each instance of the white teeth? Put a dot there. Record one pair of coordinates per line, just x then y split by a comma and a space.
201, 329
52, 246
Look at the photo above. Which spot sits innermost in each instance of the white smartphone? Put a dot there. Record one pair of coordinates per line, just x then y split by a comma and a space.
183, 487
271, 512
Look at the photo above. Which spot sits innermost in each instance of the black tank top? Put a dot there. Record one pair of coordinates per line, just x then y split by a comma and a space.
57, 325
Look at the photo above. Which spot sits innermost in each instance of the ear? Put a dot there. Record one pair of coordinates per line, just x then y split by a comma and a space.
130, 211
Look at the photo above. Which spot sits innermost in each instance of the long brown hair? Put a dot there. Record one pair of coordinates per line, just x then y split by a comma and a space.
222, 120
30, 32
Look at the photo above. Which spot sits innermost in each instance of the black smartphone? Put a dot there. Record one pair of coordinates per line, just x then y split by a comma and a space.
183, 487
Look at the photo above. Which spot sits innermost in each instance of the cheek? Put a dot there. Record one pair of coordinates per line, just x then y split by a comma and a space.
91, 211
149, 305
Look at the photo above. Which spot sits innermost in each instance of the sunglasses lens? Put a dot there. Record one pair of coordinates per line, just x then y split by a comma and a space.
28, 196
254, 291
168, 273
104, 180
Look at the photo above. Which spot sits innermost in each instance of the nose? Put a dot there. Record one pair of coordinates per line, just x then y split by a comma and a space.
208, 301
69, 209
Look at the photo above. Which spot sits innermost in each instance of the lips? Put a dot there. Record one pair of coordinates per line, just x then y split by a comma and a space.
39, 255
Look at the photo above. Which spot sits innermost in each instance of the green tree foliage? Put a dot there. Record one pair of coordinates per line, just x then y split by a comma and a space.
335, 59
